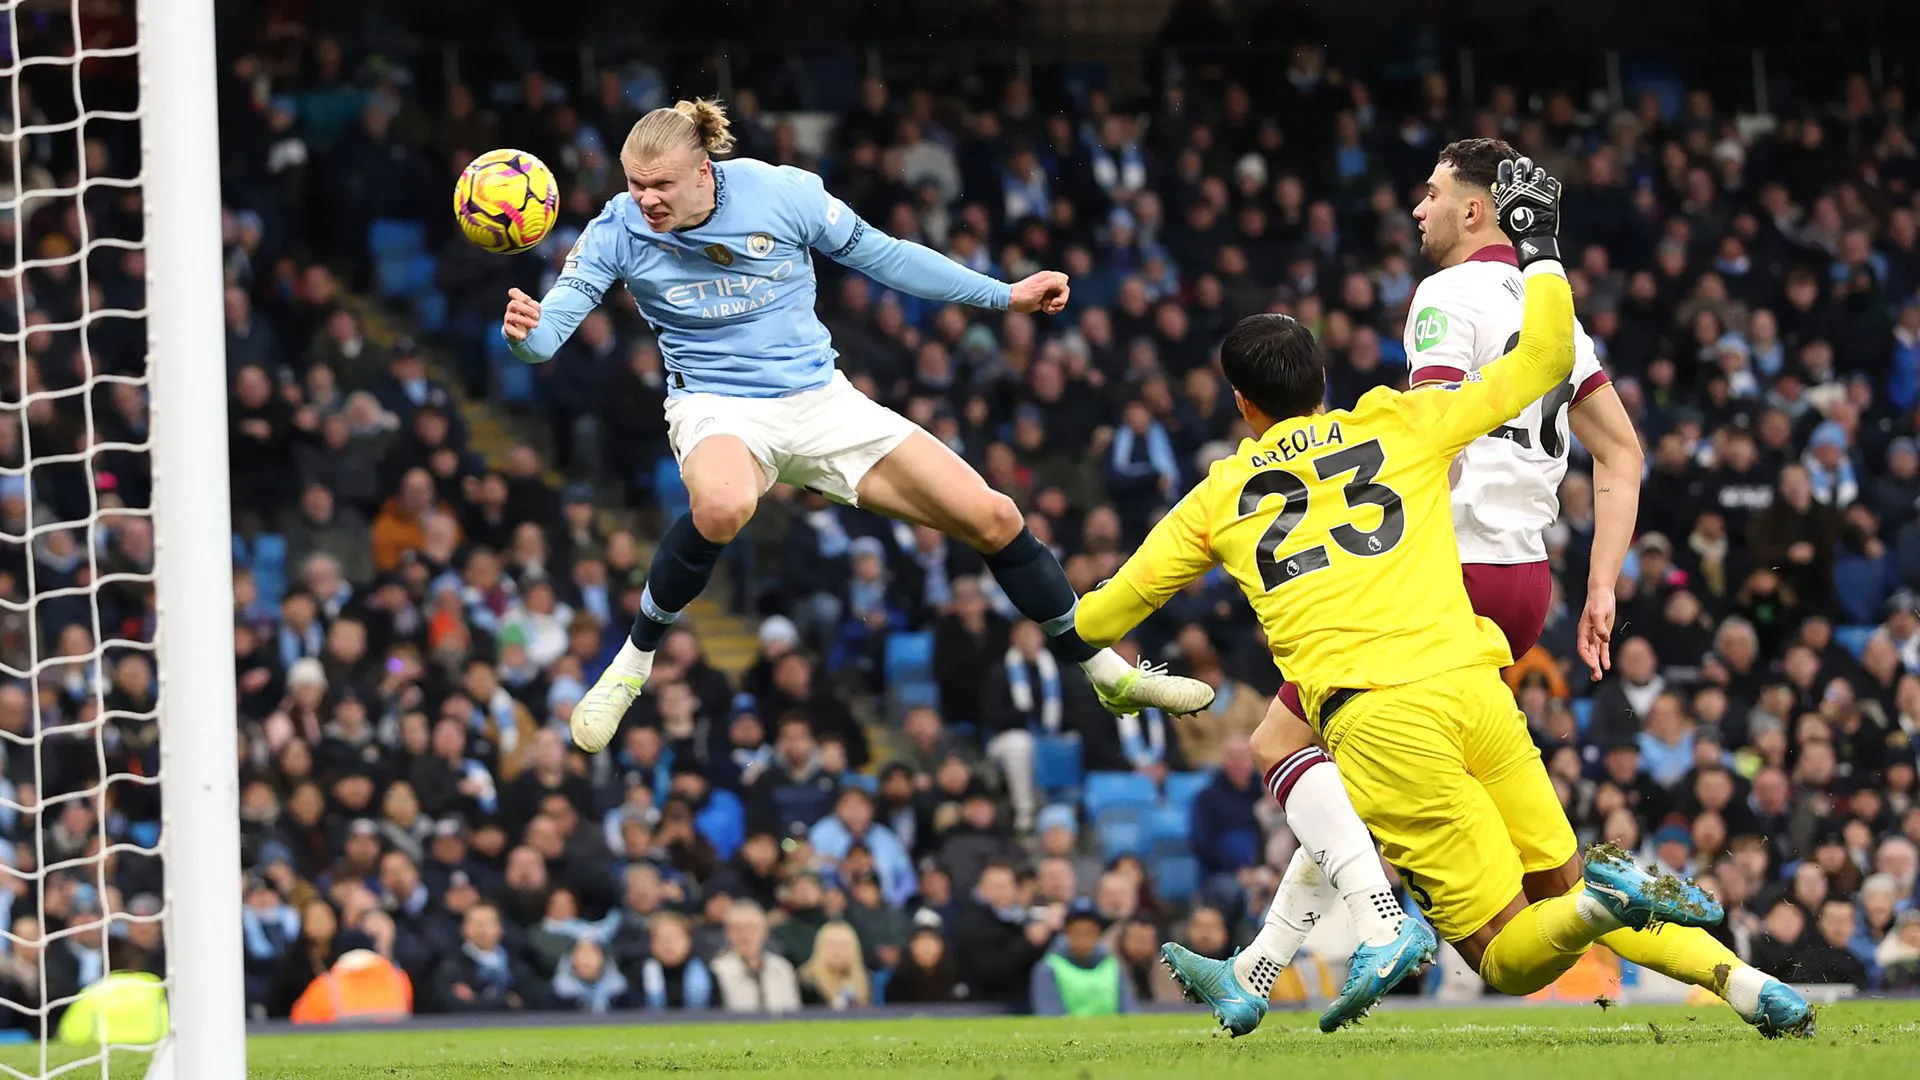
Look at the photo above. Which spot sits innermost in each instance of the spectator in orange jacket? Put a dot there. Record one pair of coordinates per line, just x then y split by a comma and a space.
402, 523
361, 985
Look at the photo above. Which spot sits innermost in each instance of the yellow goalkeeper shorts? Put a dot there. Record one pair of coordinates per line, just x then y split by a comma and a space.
1444, 773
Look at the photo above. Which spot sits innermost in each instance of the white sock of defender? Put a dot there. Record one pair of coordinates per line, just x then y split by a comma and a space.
1106, 668
1303, 897
1595, 914
1307, 786
630, 662
1743, 990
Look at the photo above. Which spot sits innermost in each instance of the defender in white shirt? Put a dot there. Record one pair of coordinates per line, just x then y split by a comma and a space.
1506, 493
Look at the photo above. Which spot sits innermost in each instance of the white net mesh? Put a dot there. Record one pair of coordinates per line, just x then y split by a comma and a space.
80, 880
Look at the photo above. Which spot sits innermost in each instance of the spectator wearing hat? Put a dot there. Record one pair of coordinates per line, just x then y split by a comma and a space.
1894, 494
1078, 976
928, 973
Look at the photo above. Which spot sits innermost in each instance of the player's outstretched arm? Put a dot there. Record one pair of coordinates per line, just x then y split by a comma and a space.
830, 227
918, 270
1602, 425
535, 330
1527, 201
1176, 552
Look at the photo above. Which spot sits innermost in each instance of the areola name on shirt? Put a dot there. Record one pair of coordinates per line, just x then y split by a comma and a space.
1297, 442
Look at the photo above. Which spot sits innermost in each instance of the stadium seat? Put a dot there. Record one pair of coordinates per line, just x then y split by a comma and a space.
1167, 824
430, 308
389, 236
1057, 762
399, 277
1176, 878
144, 834
914, 693
1110, 789
1854, 638
909, 657
270, 569
1582, 713
668, 489
1122, 837
1184, 787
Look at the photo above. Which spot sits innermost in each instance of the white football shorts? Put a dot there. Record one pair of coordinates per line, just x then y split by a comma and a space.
823, 440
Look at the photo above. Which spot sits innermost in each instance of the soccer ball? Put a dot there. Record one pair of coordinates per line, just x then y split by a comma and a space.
506, 201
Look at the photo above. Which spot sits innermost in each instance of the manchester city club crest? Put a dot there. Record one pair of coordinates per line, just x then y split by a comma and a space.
759, 245
718, 253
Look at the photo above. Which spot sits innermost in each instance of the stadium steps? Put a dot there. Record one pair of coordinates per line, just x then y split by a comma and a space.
731, 642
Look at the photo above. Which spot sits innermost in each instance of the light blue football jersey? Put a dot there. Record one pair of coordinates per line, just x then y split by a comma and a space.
733, 299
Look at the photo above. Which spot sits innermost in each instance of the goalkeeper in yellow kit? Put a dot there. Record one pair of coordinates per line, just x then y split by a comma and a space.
1339, 528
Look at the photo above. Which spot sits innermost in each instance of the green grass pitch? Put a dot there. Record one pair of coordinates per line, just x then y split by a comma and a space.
1856, 1040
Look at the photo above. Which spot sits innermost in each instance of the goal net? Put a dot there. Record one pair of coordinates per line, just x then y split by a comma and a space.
119, 874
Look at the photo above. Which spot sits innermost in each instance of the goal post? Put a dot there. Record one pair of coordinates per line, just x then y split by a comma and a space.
119, 785
193, 547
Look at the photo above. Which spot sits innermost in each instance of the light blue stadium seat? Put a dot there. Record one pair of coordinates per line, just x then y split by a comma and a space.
1122, 838
1167, 823
1582, 713
144, 834
401, 276
1108, 789
1176, 878
1057, 762
1184, 787
915, 693
430, 308
1854, 638
270, 569
390, 236
668, 489
909, 656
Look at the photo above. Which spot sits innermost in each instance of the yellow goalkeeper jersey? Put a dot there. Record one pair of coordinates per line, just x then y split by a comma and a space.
1339, 526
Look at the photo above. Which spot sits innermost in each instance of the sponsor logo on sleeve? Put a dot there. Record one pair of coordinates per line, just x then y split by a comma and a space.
1429, 328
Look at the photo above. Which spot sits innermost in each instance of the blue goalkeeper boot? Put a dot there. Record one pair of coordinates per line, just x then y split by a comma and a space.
1376, 969
1213, 984
1782, 1012
1641, 900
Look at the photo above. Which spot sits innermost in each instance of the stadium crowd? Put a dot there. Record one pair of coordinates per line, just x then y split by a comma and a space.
413, 622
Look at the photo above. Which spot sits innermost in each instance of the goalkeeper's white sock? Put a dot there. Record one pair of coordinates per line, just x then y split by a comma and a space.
1302, 899
1307, 786
1106, 668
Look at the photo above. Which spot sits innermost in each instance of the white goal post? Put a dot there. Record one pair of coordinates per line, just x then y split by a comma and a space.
193, 545
48, 49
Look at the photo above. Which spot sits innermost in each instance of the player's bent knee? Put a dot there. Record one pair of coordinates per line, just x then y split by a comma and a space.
993, 524
721, 517
1279, 736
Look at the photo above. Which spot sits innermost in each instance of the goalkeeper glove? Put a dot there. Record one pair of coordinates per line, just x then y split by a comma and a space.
1526, 202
